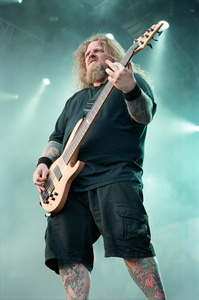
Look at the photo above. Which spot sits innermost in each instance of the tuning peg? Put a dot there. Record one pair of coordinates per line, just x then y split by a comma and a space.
154, 39
150, 46
159, 32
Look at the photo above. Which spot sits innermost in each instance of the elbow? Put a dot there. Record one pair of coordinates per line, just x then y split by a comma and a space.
143, 119
148, 118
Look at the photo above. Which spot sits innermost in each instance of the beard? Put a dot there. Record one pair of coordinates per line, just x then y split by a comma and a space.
95, 73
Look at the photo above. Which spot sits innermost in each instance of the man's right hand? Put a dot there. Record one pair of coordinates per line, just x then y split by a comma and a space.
40, 175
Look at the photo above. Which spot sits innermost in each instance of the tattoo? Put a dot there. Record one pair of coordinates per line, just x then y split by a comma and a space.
146, 275
75, 279
52, 150
140, 109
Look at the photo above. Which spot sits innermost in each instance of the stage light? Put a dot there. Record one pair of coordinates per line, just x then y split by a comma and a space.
165, 25
32, 104
46, 81
7, 96
196, 128
110, 36
155, 64
182, 126
189, 127
20, 1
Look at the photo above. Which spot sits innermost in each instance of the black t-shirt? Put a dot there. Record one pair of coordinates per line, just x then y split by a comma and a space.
113, 148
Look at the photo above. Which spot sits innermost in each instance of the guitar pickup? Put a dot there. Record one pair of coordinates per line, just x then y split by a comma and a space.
57, 173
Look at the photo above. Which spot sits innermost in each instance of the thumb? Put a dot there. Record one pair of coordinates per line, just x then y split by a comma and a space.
45, 172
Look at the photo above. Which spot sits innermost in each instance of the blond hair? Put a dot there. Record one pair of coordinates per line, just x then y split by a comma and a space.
114, 51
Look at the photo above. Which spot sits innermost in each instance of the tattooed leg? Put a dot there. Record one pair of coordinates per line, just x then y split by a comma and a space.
145, 273
75, 279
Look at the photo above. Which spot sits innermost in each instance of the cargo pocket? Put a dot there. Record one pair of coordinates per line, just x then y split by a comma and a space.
133, 224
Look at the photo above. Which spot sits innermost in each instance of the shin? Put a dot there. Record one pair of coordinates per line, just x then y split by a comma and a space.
75, 279
145, 273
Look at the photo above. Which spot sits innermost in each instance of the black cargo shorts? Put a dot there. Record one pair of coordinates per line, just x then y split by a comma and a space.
114, 211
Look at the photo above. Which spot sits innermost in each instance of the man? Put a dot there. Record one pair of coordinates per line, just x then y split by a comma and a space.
106, 197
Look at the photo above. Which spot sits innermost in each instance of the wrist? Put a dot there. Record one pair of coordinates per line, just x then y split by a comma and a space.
133, 94
45, 160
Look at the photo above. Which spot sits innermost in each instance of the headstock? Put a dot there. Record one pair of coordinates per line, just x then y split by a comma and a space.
145, 38
141, 42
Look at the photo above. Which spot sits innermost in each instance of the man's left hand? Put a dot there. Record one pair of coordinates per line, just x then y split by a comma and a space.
121, 77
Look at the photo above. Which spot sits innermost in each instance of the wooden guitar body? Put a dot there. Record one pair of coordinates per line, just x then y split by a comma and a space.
61, 175
56, 199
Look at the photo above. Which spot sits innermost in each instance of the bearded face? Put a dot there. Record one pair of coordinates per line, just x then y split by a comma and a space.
95, 58
95, 73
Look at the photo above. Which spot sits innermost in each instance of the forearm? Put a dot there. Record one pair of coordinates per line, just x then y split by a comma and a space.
140, 108
52, 150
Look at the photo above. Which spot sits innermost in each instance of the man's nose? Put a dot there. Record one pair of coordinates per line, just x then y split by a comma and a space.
92, 54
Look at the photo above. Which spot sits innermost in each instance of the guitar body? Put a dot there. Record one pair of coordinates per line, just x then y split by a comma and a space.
56, 202
54, 199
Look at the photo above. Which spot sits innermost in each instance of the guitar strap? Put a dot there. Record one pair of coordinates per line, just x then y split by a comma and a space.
92, 100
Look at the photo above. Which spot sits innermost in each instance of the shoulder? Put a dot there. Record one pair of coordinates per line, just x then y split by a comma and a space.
77, 95
77, 99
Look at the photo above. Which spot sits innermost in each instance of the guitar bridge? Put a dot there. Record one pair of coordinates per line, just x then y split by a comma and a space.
45, 196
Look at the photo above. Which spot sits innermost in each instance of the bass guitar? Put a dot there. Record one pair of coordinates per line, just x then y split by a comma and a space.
63, 171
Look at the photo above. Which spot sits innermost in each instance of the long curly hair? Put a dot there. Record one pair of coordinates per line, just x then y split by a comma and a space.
114, 51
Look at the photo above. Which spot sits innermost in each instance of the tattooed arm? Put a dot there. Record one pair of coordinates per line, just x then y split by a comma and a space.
140, 109
51, 152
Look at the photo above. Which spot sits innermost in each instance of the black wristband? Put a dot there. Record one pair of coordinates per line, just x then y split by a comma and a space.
134, 94
45, 160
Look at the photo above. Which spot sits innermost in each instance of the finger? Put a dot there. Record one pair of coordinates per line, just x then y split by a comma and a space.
114, 66
40, 181
40, 189
109, 72
129, 67
44, 174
